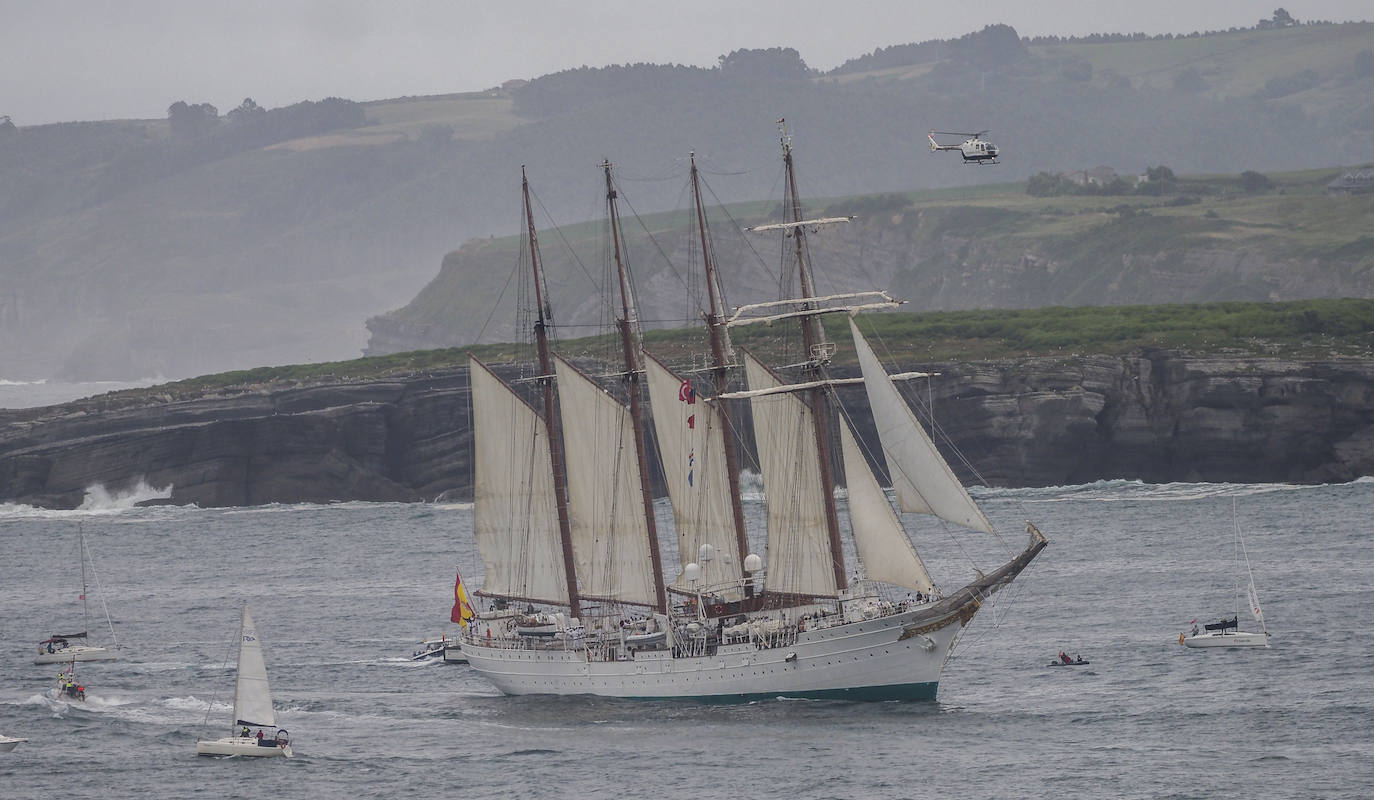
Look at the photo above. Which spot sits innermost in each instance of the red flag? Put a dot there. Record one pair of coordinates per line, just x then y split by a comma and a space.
686, 393
692, 422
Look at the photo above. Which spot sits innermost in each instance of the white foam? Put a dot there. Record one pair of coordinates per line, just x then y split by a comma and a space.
99, 499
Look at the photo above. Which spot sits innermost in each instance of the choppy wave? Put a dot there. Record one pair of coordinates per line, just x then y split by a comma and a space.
100, 499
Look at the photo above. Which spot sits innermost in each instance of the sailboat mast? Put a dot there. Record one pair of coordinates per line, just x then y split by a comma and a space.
632, 371
85, 618
716, 329
813, 338
551, 418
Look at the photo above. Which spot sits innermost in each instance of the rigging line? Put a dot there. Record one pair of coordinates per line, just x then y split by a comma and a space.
215, 696
558, 231
100, 591
481, 332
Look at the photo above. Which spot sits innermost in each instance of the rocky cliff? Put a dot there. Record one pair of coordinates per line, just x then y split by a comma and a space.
1155, 416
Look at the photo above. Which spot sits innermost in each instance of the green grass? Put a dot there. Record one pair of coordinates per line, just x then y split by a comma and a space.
1307, 329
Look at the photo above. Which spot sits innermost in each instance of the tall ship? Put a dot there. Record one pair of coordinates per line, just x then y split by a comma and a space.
575, 596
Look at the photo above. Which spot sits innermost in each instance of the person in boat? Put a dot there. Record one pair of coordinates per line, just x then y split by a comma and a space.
1064, 657
259, 734
1078, 658
246, 733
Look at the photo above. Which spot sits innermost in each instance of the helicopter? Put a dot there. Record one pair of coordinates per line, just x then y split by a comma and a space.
975, 149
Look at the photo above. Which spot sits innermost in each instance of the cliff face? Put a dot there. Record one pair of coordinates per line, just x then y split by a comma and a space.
1157, 417
938, 258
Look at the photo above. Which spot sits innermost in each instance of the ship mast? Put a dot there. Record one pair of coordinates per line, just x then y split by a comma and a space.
627, 325
543, 316
720, 356
813, 338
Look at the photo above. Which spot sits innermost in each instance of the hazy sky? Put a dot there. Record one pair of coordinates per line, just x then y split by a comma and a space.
63, 60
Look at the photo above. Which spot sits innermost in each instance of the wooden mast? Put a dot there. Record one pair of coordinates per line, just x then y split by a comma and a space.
552, 426
813, 338
632, 386
715, 327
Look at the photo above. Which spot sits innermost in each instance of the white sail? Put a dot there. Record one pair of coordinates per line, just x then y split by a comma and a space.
798, 542
252, 697
691, 444
515, 517
605, 508
923, 480
882, 543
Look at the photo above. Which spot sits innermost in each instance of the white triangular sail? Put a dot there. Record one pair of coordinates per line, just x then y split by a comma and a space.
252, 697
882, 543
923, 480
605, 507
691, 443
798, 542
515, 514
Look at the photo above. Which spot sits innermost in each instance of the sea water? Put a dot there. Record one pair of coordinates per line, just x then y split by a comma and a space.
342, 595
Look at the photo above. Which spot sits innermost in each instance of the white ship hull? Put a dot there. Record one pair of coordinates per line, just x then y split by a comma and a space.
241, 746
1243, 639
896, 656
77, 652
8, 743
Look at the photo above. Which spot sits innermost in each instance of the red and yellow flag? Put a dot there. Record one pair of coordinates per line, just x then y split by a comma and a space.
462, 609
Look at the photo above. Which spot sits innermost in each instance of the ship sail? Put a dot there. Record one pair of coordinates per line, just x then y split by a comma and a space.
252, 696
799, 559
882, 543
515, 514
691, 443
920, 475
609, 532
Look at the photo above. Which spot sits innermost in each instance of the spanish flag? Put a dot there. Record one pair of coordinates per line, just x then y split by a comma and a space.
462, 609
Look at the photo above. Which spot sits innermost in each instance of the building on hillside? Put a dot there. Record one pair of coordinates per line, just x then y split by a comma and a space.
1357, 181
1101, 175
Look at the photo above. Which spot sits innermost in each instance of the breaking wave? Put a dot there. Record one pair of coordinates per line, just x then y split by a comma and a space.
98, 498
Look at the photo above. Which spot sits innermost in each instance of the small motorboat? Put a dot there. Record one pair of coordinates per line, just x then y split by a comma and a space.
1063, 660
453, 653
430, 648
8, 743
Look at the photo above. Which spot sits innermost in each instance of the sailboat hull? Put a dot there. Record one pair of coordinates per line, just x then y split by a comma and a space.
240, 746
77, 653
1243, 639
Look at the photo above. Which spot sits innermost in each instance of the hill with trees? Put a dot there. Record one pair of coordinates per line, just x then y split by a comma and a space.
203, 242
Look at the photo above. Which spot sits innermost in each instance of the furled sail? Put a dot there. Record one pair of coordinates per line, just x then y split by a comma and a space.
252, 697
798, 543
691, 441
605, 510
884, 549
923, 480
1253, 597
515, 516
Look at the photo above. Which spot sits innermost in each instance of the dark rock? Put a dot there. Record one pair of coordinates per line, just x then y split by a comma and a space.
1156, 417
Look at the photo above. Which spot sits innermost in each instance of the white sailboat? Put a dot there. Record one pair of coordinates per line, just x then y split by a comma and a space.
1227, 632
252, 706
64, 648
563, 520
8, 743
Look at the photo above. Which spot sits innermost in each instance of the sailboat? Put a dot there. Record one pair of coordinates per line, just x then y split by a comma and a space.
252, 706
1227, 632
565, 527
8, 743
64, 648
